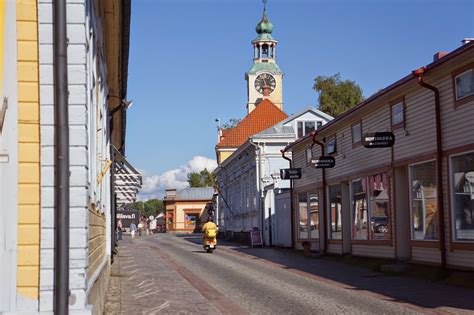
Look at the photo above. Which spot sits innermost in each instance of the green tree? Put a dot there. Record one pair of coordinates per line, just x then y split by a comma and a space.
138, 205
335, 95
231, 123
153, 206
201, 179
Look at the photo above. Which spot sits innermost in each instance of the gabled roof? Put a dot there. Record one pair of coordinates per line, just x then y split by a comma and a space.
265, 115
309, 109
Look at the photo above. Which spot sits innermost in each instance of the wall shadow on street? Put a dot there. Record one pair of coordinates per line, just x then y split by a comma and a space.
402, 289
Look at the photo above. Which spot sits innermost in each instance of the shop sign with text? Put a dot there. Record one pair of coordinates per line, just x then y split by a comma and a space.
379, 140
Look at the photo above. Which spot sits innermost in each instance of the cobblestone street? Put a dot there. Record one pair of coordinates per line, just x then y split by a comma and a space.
171, 274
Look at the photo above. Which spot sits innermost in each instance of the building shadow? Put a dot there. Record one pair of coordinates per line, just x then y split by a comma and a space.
397, 288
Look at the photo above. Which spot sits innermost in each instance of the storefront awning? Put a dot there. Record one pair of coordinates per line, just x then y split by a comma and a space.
127, 180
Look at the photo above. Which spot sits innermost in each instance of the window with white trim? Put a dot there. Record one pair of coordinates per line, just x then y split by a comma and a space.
398, 113
357, 133
464, 84
331, 145
305, 127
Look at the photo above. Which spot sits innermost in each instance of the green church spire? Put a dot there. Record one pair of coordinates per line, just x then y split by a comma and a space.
264, 26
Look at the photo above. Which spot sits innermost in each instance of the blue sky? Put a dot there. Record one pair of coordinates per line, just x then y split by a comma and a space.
188, 59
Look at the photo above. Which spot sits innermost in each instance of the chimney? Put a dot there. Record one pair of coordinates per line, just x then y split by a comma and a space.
467, 40
439, 55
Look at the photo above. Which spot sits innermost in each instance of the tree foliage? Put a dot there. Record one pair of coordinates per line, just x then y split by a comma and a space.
231, 123
201, 179
336, 95
149, 207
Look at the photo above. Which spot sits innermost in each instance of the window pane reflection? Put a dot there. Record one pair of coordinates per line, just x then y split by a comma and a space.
302, 216
463, 181
314, 215
359, 209
335, 212
424, 201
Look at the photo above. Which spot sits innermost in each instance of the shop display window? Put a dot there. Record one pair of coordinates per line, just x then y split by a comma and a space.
314, 215
370, 208
462, 190
424, 201
359, 209
335, 212
379, 207
302, 216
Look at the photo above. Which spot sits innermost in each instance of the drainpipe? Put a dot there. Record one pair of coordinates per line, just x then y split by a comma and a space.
418, 74
291, 201
260, 189
61, 161
325, 231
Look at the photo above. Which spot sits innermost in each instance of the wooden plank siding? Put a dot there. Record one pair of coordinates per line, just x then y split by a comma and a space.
96, 240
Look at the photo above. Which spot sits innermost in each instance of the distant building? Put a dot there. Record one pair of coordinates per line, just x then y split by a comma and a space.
248, 155
187, 209
249, 181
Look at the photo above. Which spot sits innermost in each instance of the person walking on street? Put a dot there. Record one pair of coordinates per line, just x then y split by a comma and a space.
119, 229
133, 229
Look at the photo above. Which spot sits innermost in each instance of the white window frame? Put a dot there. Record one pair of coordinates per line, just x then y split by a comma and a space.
360, 132
309, 154
410, 198
402, 105
452, 204
456, 86
335, 145
303, 122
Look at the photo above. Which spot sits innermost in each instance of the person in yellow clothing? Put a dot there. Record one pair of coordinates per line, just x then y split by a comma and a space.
209, 233
209, 225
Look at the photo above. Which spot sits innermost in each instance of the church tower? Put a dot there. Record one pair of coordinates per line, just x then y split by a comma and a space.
264, 79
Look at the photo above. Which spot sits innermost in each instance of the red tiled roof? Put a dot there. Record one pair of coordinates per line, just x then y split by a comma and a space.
265, 115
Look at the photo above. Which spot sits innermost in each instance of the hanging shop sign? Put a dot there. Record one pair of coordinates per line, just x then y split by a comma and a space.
128, 216
324, 162
379, 140
290, 173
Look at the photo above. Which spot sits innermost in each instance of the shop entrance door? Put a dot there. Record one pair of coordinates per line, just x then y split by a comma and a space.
402, 213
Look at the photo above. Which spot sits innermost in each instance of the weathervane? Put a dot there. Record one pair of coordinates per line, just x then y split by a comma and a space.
264, 5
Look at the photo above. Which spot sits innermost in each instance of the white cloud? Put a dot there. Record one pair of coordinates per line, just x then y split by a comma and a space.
154, 186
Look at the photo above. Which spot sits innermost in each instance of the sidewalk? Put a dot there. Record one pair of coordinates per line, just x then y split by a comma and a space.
143, 283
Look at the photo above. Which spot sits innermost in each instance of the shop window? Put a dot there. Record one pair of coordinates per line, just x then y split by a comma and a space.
379, 207
424, 201
191, 219
331, 145
462, 167
335, 212
359, 209
302, 216
398, 114
464, 84
314, 215
357, 133
305, 127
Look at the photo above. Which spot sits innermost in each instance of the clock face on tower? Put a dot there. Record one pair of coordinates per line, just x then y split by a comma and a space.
265, 79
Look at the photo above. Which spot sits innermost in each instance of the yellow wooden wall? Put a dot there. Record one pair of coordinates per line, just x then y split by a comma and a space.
28, 149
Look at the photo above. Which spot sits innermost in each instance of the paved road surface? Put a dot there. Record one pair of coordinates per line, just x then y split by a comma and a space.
168, 274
